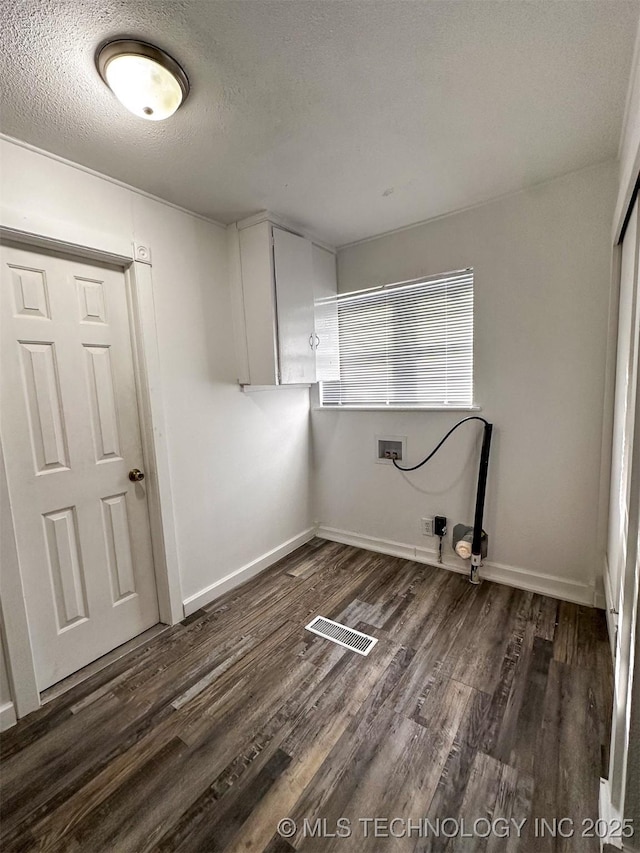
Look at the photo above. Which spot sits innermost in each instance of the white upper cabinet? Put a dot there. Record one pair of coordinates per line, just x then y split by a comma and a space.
286, 323
294, 306
325, 314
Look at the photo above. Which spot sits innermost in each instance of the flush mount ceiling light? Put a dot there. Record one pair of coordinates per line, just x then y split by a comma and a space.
145, 79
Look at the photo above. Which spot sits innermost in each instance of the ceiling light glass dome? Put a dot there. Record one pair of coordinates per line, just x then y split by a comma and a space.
145, 79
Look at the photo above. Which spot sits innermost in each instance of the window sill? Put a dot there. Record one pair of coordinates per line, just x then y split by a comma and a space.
255, 389
319, 408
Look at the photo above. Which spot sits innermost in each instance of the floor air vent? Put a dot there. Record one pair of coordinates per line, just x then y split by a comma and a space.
340, 634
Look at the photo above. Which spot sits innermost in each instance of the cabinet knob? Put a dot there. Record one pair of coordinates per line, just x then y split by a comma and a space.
317, 341
311, 341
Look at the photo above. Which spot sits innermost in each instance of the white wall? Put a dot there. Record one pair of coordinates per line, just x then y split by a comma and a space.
542, 270
239, 464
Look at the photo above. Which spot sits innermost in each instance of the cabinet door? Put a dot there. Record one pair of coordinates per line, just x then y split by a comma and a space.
325, 288
255, 305
294, 300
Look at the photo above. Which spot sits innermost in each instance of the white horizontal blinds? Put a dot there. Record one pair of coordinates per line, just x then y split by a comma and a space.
406, 344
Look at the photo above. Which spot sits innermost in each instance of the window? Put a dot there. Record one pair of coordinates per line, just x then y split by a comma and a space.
406, 344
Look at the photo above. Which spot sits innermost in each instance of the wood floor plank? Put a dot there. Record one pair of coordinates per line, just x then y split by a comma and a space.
436, 651
567, 764
517, 739
307, 561
488, 637
253, 753
215, 835
512, 803
450, 791
147, 804
481, 700
521, 816
547, 616
293, 713
393, 774
49, 716
511, 685
54, 826
71, 756
481, 794
309, 746
565, 647
279, 845
311, 803
389, 767
414, 622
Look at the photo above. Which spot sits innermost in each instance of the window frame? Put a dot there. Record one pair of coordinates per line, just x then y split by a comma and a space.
318, 403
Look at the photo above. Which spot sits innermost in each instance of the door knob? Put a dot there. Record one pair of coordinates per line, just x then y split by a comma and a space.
135, 475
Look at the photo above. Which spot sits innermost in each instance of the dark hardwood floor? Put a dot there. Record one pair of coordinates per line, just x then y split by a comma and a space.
478, 703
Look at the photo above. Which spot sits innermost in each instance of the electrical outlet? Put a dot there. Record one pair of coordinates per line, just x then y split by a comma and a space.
427, 526
440, 525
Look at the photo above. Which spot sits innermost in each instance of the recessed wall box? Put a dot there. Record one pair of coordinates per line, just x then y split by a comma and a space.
390, 447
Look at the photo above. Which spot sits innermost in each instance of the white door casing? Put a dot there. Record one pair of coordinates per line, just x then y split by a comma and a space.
71, 434
623, 560
623, 422
623, 411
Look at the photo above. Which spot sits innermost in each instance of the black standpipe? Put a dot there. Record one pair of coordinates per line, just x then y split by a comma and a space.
476, 544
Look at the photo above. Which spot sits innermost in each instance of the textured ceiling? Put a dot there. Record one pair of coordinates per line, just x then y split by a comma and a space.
350, 117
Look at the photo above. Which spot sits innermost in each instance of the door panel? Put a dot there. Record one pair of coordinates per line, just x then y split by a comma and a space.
119, 552
67, 572
71, 434
104, 420
42, 398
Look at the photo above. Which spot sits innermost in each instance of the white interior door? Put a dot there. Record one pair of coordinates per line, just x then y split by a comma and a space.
70, 431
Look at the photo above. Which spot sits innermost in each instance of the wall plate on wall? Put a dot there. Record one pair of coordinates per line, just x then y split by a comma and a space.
141, 253
389, 444
426, 526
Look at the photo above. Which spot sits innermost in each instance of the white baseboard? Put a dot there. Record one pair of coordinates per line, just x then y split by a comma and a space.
567, 590
233, 579
7, 716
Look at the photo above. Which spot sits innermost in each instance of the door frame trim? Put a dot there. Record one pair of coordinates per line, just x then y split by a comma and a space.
137, 269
